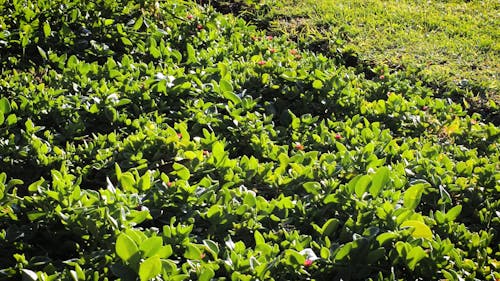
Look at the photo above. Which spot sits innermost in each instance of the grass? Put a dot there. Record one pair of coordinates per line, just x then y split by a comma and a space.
455, 43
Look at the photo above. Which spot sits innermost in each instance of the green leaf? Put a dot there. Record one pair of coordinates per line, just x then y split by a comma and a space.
232, 97
150, 268
421, 229
412, 196
181, 171
317, 84
126, 41
453, 213
324, 253
46, 29
362, 185
259, 239
330, 226
415, 255
42, 53
225, 85
145, 182
215, 210
125, 247
218, 151
211, 246
2, 118
207, 274
4, 106
386, 237
192, 252
312, 187
294, 258
249, 200
379, 180
151, 246
343, 252
223, 69
108, 22
127, 181
138, 24
191, 54
165, 251
11, 119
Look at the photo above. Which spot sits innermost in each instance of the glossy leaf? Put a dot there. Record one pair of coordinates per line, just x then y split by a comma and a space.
125, 247
150, 268
421, 229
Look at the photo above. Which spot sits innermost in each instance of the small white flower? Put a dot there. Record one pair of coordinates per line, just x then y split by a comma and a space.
309, 253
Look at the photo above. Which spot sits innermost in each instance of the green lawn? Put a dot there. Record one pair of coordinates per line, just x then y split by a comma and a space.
451, 41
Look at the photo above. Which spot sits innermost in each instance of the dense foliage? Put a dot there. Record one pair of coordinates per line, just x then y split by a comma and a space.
148, 139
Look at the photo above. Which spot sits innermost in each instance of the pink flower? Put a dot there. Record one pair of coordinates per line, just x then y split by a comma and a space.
199, 26
338, 136
308, 263
262, 62
299, 146
189, 17
269, 37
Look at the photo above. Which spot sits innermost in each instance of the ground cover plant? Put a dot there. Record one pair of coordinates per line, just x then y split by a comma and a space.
146, 140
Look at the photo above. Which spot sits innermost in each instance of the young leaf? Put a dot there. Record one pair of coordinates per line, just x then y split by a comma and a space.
225, 85
181, 171
312, 187
412, 196
386, 237
145, 182
127, 181
46, 29
207, 274
453, 213
421, 229
259, 239
317, 84
343, 252
150, 268
192, 252
42, 53
330, 226
4, 105
125, 247
415, 255
138, 24
151, 246
379, 180
218, 151
362, 185
191, 55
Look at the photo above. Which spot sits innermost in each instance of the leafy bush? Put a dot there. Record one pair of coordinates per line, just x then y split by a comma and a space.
143, 140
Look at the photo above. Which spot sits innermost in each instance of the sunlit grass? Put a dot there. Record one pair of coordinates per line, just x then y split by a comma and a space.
451, 41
